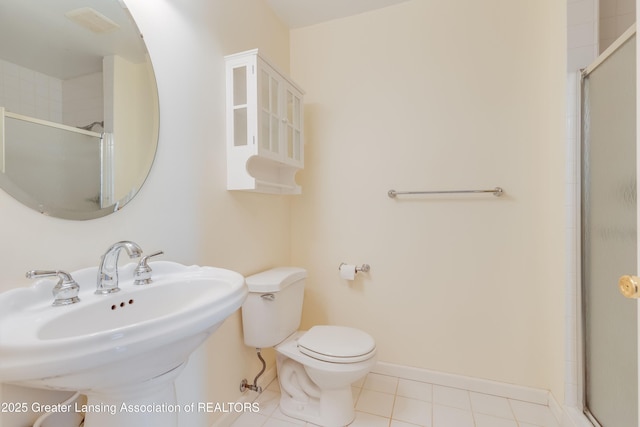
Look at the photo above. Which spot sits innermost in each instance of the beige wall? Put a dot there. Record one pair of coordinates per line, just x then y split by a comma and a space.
184, 208
431, 96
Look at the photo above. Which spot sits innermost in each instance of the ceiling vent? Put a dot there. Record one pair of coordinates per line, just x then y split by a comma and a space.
92, 20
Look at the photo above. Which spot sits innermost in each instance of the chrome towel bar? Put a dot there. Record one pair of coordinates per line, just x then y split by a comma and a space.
497, 191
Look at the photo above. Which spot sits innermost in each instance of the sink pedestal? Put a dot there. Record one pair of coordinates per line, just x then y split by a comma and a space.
152, 403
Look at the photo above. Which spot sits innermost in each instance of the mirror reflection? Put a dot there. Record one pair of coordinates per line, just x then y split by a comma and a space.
78, 106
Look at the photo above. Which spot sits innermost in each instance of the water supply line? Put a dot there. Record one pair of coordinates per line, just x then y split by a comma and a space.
244, 384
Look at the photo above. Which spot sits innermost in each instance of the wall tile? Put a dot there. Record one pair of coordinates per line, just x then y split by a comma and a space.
28, 92
581, 12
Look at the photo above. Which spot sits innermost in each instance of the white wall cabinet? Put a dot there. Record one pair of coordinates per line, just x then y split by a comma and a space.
265, 138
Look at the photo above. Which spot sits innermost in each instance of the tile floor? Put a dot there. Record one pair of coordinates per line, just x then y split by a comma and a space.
384, 401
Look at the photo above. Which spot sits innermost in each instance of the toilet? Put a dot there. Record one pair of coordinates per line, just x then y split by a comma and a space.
316, 367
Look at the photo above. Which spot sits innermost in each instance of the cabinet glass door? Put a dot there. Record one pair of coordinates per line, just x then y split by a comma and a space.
269, 136
239, 101
293, 129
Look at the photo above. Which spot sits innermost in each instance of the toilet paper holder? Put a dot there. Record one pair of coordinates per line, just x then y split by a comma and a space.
364, 268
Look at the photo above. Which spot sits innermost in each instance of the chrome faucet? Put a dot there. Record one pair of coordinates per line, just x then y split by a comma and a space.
108, 272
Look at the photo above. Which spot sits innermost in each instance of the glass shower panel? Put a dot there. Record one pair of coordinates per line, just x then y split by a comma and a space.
609, 238
59, 168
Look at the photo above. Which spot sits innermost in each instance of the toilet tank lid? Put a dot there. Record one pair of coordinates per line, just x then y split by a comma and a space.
275, 280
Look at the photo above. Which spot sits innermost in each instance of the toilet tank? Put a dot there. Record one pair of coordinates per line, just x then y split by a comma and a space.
273, 308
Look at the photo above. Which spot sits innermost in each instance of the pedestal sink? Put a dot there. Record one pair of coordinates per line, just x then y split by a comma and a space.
122, 350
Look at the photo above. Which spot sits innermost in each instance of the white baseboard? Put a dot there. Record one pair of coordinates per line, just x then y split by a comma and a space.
247, 397
566, 416
511, 391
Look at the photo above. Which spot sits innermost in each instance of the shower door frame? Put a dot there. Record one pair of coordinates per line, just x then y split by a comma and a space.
580, 330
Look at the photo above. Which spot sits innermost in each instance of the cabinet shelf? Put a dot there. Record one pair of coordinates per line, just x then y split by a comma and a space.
265, 133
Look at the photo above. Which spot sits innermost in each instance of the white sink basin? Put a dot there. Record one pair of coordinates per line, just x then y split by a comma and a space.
109, 345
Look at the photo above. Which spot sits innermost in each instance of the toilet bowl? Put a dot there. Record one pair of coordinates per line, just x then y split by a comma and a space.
316, 367
317, 390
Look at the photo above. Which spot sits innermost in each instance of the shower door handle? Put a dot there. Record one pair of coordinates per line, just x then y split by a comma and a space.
629, 286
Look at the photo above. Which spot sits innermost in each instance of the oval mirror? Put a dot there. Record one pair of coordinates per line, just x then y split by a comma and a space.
78, 106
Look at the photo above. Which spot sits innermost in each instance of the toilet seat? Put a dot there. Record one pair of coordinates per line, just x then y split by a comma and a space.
337, 344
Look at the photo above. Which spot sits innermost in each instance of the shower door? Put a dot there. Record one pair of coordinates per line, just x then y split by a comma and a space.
609, 236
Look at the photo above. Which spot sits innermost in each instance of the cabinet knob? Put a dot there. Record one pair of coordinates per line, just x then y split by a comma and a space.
628, 286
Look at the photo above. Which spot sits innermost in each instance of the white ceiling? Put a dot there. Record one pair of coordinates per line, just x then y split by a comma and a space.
37, 35
302, 13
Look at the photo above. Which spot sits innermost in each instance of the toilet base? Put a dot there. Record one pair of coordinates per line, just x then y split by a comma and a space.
302, 399
334, 408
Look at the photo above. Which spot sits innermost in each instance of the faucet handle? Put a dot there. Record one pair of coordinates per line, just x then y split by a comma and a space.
65, 292
142, 273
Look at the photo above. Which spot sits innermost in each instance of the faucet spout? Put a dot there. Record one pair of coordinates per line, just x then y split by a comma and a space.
108, 272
